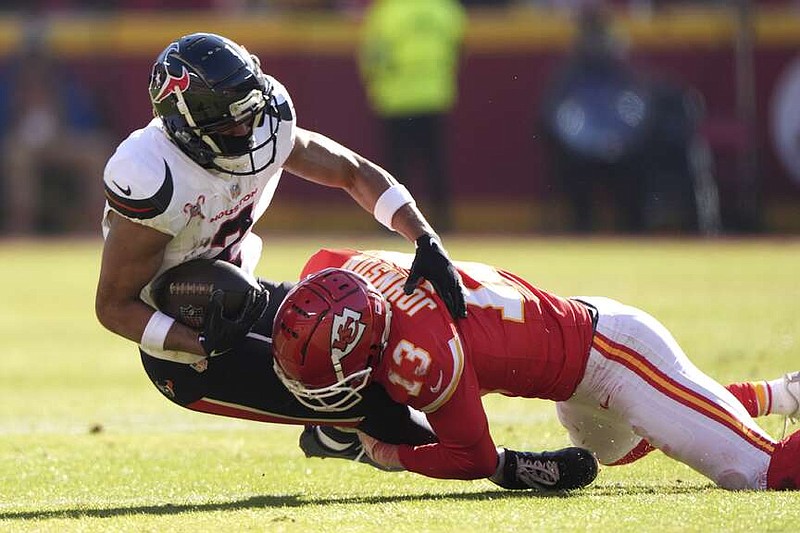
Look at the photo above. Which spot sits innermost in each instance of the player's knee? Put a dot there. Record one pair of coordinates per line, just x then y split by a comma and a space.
734, 480
180, 391
180, 383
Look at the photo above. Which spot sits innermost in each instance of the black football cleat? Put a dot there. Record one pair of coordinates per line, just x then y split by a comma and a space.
565, 469
329, 442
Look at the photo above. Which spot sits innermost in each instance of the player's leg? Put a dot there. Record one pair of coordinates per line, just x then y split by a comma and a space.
780, 396
784, 467
615, 443
592, 426
637, 370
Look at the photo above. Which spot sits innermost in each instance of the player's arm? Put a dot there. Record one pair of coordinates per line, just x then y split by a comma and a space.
132, 254
391, 422
465, 449
322, 160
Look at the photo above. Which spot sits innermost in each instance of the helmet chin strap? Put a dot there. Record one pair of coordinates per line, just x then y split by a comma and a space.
183, 108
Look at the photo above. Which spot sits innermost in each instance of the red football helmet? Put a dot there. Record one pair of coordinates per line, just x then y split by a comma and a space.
328, 334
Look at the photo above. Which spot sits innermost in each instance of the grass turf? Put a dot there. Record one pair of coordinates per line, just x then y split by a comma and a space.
87, 444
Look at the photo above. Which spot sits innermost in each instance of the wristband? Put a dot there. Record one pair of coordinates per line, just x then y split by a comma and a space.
389, 202
155, 332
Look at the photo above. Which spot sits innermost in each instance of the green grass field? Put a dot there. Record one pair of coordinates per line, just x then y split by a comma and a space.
87, 444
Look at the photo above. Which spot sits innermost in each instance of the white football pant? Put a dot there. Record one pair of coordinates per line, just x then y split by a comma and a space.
639, 385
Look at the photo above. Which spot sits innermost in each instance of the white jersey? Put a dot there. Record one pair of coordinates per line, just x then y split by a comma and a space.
209, 214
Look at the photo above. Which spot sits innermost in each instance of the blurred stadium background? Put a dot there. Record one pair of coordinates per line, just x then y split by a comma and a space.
738, 58
89, 445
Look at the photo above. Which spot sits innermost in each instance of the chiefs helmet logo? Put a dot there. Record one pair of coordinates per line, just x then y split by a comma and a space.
346, 331
173, 84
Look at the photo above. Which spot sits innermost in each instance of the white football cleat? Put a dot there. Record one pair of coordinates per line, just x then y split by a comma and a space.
792, 383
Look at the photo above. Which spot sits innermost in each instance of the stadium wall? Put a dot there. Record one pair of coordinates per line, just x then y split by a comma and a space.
498, 177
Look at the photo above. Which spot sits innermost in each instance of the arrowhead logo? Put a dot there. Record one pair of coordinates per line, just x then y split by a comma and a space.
347, 330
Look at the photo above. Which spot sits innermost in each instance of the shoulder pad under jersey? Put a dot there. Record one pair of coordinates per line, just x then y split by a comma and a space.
138, 181
282, 100
423, 372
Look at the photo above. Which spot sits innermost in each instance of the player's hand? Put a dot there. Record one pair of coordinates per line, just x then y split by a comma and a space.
221, 334
385, 455
431, 262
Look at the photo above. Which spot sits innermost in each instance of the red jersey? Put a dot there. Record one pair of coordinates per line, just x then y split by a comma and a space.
516, 340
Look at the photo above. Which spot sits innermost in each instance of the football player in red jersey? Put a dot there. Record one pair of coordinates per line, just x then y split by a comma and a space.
622, 384
242, 384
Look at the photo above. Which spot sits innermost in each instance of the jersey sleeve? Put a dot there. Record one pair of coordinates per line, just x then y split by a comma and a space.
326, 258
465, 449
425, 367
140, 187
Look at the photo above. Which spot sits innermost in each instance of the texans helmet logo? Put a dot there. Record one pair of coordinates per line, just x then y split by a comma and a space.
347, 330
173, 84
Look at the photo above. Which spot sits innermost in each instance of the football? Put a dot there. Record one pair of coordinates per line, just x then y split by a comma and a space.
183, 291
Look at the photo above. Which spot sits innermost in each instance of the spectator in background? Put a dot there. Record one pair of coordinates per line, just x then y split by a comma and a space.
409, 60
611, 130
53, 150
589, 142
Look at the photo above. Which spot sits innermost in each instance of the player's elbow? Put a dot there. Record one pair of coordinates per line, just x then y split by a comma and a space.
107, 313
102, 310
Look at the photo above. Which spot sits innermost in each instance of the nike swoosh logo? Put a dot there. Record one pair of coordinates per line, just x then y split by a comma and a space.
143, 208
604, 404
126, 191
436, 388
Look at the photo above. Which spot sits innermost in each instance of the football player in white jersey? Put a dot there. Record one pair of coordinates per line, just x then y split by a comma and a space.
193, 182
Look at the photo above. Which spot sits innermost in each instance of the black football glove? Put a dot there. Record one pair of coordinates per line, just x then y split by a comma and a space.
431, 262
222, 334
